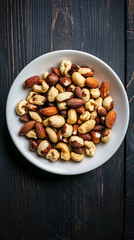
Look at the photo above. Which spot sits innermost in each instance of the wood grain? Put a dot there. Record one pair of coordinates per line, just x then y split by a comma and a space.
35, 204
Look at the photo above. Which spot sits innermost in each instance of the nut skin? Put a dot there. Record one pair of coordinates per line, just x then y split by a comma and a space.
98, 128
26, 128
80, 109
104, 89
92, 82
63, 97
67, 130
49, 111
86, 126
65, 152
78, 92
21, 107
85, 137
78, 79
76, 141
90, 148
101, 111
75, 102
85, 94
77, 150
77, 157
31, 81
33, 145
56, 121
65, 81
71, 88
72, 116
51, 135
97, 119
110, 119
108, 103
52, 79
40, 130
86, 72
63, 113
96, 136
53, 155
56, 71
43, 148
25, 118
75, 129
106, 135
74, 67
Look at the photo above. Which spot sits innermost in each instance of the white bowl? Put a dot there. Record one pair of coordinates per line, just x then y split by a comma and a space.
102, 73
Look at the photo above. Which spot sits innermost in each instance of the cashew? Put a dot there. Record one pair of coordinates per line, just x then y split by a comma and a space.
78, 79
65, 66
51, 135
21, 107
77, 157
85, 116
95, 92
52, 94
45, 75
65, 152
85, 94
62, 97
56, 121
43, 148
32, 134
76, 141
108, 103
90, 148
98, 102
35, 116
62, 106
84, 70
53, 155
72, 116
41, 88
93, 115
35, 98
67, 130
106, 135
46, 122
86, 126
90, 105
59, 88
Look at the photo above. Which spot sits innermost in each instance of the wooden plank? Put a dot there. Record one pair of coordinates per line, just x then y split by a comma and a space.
130, 15
129, 198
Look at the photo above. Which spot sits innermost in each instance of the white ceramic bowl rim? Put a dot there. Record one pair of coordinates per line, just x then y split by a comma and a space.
71, 52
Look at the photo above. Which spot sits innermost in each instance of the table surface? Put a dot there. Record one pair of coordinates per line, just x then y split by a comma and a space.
35, 204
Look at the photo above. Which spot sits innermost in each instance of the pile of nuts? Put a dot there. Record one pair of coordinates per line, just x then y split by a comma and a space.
65, 111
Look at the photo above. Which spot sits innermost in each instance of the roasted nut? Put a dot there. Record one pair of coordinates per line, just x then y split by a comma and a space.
63, 113
85, 94
49, 111
77, 157
80, 109
33, 145
40, 130
85, 116
41, 88
86, 72
106, 135
97, 120
51, 135
101, 111
45, 75
75, 102
31, 81
59, 135
53, 155
102, 120
31, 107
85, 137
65, 66
78, 79
25, 118
21, 107
52, 94
93, 115
96, 136
46, 123
32, 134
74, 67
67, 130
92, 82
56, 71
72, 116
77, 150
90, 148
98, 128
35, 116
60, 88
26, 128
79, 121
110, 119
71, 88
108, 103
95, 92
86, 126
90, 105
43, 148
56, 121
65, 140
76, 141
52, 79
99, 102
104, 90
65, 152
78, 92
62, 106
63, 97
65, 81
75, 129
35, 98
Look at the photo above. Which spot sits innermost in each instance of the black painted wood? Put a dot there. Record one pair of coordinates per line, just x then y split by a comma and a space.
35, 204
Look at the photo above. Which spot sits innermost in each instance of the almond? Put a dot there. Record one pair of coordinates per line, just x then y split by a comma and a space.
31, 81
26, 127
56, 71
65, 81
104, 89
52, 79
92, 82
78, 92
49, 111
85, 137
80, 109
110, 119
40, 130
25, 118
98, 128
101, 111
75, 102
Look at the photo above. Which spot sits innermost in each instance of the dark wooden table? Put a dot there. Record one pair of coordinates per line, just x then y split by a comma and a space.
35, 204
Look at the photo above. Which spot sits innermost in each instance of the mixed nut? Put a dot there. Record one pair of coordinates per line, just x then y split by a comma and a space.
66, 111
